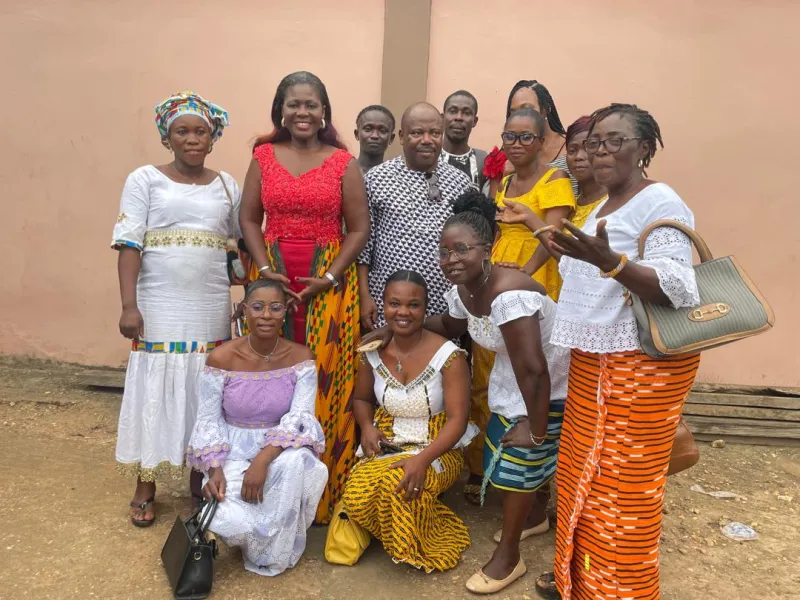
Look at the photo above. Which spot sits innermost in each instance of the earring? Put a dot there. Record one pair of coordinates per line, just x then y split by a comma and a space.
640, 164
324, 124
283, 123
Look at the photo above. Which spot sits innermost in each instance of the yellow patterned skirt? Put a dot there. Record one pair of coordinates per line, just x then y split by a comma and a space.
423, 533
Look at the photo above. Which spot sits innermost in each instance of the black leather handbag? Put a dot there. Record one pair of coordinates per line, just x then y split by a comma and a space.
188, 555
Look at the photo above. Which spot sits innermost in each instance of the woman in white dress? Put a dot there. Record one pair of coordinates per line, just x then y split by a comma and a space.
171, 233
257, 439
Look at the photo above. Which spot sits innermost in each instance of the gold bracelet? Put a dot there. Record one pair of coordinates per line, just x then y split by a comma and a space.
542, 230
623, 260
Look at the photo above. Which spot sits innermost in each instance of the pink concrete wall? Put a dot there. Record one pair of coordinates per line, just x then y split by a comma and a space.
717, 76
80, 79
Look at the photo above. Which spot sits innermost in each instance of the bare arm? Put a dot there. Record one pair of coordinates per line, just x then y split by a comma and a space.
356, 219
446, 326
530, 369
456, 385
131, 324
364, 410
251, 215
552, 216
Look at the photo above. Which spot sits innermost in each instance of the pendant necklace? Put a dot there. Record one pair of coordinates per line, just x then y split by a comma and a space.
398, 365
483, 283
265, 357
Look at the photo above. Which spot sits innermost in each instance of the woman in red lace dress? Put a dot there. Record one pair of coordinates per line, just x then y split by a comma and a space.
306, 183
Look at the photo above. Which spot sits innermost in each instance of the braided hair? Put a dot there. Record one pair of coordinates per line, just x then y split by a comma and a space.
643, 122
379, 108
411, 277
547, 106
477, 212
327, 135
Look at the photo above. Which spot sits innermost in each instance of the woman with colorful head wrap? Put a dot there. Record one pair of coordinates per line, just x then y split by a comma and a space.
172, 231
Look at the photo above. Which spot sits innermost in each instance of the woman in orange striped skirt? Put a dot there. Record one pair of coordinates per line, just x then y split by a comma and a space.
622, 406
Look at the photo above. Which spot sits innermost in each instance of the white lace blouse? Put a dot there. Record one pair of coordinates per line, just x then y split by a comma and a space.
505, 397
592, 313
413, 404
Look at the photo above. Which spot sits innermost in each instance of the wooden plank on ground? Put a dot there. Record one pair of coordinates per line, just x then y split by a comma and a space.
102, 378
742, 412
753, 390
721, 426
742, 400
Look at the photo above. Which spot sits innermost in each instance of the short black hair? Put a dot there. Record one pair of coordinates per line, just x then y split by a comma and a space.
379, 108
546, 104
264, 284
477, 212
529, 113
464, 93
409, 276
643, 122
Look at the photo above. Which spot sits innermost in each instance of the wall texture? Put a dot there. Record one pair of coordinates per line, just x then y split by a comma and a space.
81, 78
716, 76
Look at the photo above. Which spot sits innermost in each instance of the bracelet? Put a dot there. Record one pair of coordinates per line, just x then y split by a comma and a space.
542, 230
265, 268
534, 442
332, 279
623, 260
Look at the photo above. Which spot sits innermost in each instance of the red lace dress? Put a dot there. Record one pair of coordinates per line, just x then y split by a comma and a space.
303, 236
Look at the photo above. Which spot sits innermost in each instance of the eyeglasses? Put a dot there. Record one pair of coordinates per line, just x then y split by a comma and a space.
276, 309
612, 144
461, 251
525, 139
434, 193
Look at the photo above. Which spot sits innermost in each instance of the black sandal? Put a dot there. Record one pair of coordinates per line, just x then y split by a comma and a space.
546, 586
143, 508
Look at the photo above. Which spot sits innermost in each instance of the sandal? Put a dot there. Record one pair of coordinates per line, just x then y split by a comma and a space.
472, 493
143, 508
546, 586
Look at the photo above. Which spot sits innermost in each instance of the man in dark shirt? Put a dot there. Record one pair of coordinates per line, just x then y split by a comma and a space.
460, 117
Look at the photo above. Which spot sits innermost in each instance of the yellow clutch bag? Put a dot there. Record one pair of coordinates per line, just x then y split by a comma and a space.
346, 540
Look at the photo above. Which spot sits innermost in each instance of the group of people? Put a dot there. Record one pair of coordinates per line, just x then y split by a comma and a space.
406, 319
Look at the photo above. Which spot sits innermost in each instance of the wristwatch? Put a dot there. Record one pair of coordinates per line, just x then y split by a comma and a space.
332, 279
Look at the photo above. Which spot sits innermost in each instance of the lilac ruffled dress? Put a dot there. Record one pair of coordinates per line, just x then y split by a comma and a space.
239, 414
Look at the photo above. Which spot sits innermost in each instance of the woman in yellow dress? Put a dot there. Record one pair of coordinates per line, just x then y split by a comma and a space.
591, 193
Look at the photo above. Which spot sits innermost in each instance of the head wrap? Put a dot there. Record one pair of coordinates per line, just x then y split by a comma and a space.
189, 103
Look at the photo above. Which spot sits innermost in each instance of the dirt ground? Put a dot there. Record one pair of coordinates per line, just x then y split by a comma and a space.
66, 533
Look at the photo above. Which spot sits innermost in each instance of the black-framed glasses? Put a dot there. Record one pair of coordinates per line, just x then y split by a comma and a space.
525, 139
434, 193
612, 144
275, 309
461, 251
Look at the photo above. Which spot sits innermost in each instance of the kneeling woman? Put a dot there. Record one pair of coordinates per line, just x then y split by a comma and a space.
419, 383
257, 440
510, 314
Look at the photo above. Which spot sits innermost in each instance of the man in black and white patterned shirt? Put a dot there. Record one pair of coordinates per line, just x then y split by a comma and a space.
410, 198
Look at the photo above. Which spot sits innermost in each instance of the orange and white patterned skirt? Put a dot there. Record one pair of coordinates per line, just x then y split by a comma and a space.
620, 419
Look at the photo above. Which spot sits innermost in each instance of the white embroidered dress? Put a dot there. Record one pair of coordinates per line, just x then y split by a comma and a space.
505, 397
183, 293
593, 315
240, 413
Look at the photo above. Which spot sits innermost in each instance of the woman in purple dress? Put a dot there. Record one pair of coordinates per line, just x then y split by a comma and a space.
257, 440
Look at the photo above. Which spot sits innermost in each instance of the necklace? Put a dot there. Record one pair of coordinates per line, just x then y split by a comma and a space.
398, 365
266, 357
478, 289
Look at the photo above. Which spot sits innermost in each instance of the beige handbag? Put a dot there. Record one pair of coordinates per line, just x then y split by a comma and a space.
731, 307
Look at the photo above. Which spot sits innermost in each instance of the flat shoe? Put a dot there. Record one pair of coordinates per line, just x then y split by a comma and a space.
539, 529
480, 583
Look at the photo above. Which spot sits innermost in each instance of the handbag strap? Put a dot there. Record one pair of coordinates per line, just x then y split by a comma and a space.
702, 248
228, 194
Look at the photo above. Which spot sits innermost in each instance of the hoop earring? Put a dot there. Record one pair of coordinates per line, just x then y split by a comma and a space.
324, 124
283, 123
483, 265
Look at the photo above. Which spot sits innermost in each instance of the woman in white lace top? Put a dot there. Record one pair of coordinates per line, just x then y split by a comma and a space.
506, 312
622, 407
257, 439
